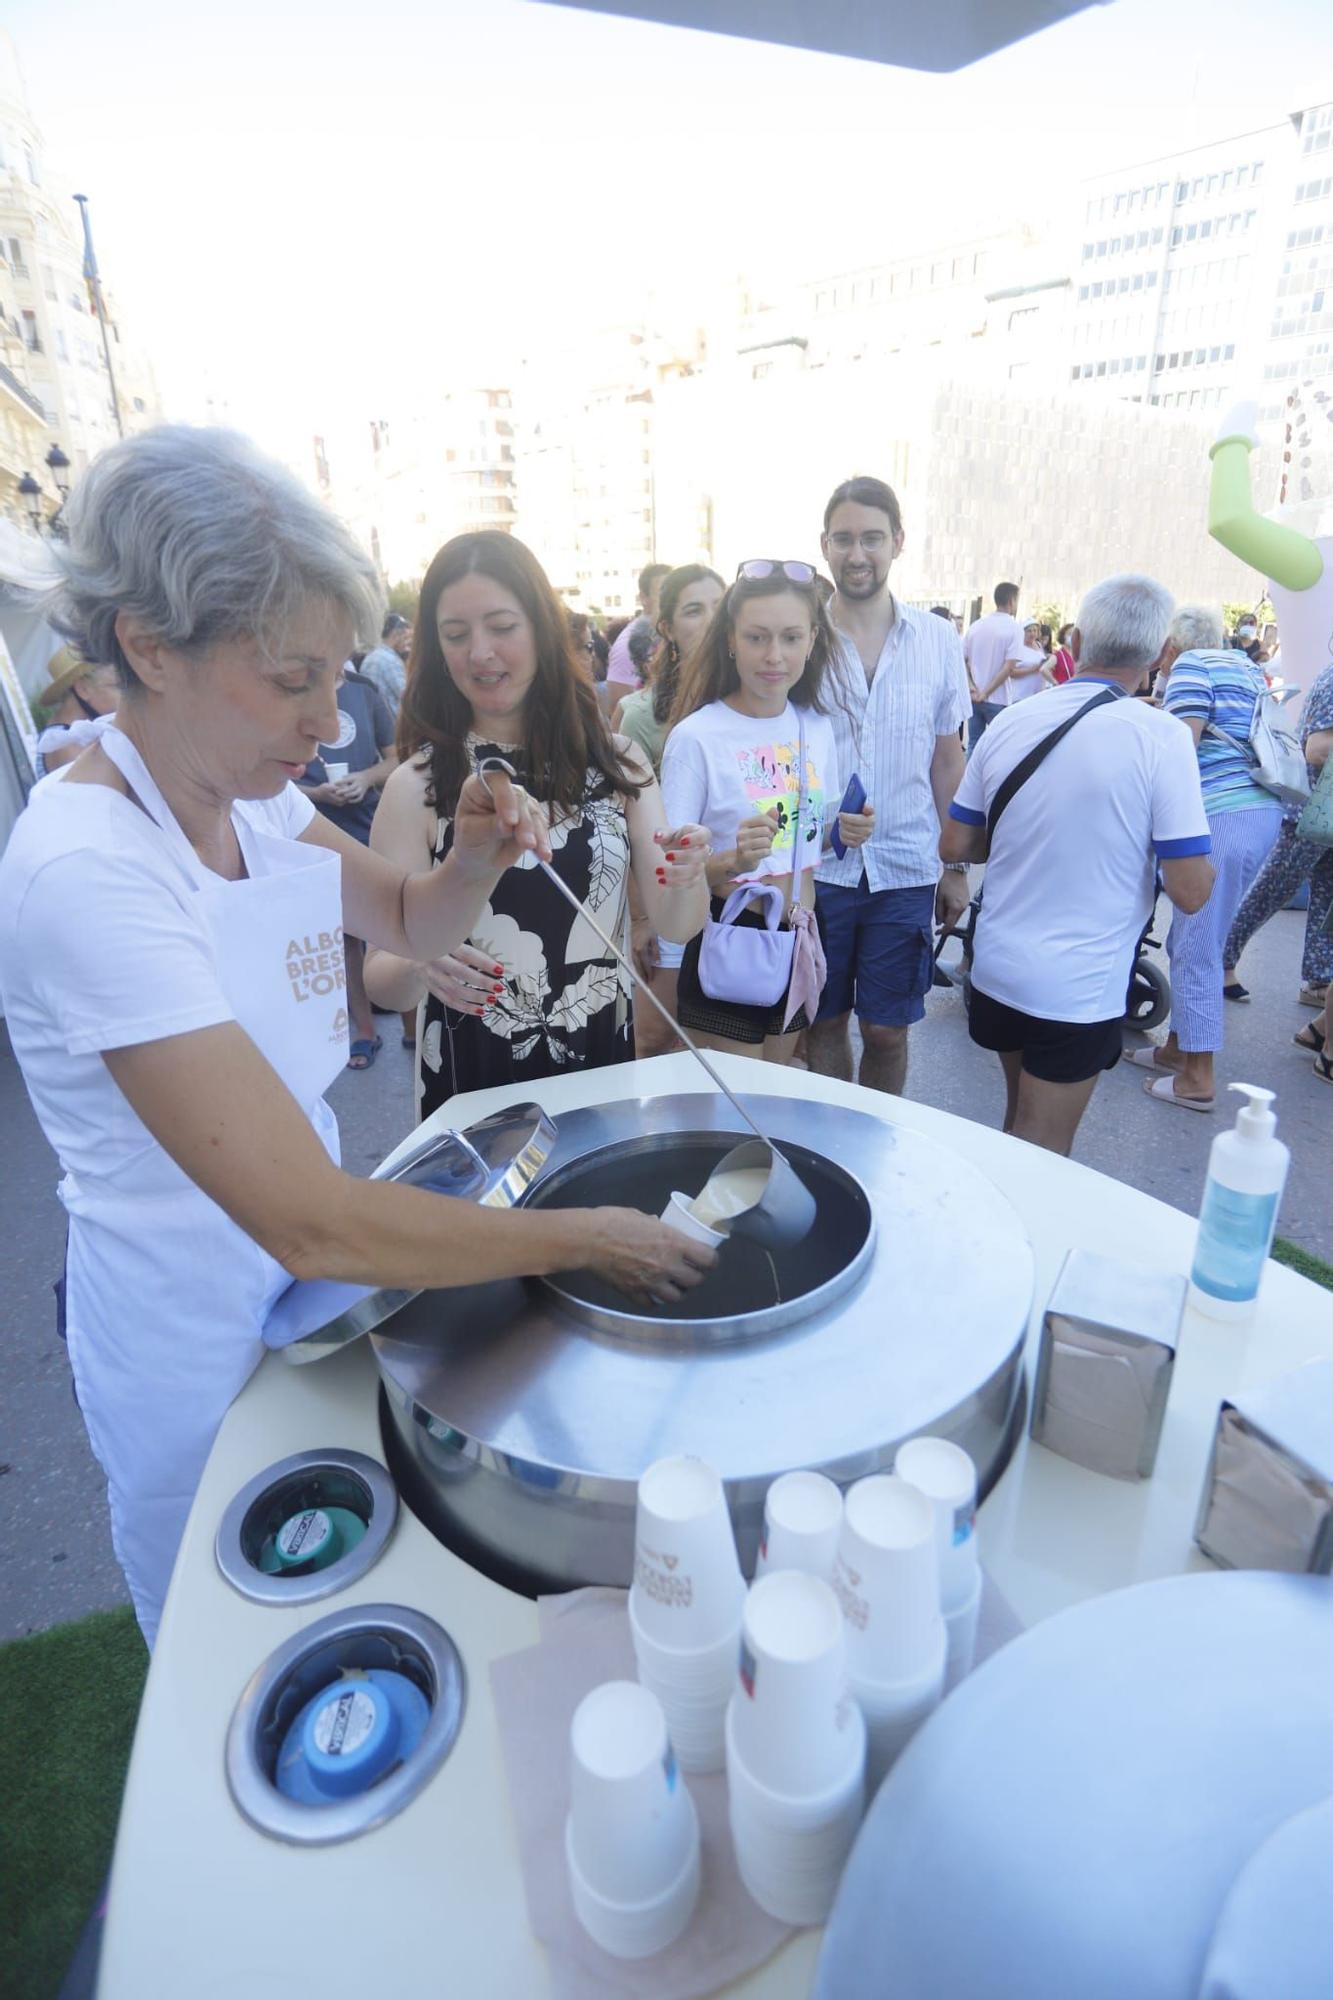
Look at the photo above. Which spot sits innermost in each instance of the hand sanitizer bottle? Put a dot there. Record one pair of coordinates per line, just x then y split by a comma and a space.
1247, 1170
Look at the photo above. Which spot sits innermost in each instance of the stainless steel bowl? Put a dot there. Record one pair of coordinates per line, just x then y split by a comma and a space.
521, 1415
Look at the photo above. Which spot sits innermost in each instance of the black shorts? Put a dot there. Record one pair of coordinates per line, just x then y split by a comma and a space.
1052, 1051
728, 1020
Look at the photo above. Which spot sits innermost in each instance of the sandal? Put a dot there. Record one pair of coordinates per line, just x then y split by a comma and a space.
363, 1053
1311, 1037
1233, 990
1323, 1067
1163, 1088
1146, 1058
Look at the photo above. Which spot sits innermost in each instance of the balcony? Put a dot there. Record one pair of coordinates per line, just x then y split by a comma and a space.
10, 385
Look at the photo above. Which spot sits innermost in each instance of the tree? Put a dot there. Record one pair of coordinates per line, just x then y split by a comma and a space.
404, 599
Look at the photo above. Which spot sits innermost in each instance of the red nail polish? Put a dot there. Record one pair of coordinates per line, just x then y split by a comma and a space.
670, 857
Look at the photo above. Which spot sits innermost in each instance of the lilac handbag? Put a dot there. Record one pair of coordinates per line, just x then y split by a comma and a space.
742, 963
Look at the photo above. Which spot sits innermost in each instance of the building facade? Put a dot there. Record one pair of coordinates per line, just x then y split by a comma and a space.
51, 340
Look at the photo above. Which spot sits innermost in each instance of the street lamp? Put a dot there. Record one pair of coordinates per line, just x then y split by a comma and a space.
32, 498
59, 467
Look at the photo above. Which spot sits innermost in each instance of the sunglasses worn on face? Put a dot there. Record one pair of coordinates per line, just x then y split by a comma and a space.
756, 570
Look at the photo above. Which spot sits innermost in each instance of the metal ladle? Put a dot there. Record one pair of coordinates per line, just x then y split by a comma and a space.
785, 1211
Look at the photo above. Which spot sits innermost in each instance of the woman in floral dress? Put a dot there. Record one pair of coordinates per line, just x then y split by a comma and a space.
534, 991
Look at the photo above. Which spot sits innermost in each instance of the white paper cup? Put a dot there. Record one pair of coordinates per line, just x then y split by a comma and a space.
693, 1687
792, 1711
961, 1629
631, 1819
635, 1930
894, 1711
791, 1852
687, 1576
693, 1670
802, 1522
335, 773
948, 1478
676, 1215
783, 1811
887, 1580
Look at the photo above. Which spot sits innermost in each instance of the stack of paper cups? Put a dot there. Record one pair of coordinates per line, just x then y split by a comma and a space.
796, 1747
632, 1836
802, 1521
685, 1605
887, 1580
948, 1478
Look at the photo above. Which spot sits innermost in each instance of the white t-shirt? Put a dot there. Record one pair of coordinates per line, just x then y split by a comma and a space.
1019, 686
720, 767
988, 644
101, 948
1069, 884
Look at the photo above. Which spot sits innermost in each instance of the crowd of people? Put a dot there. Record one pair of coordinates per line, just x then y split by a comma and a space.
252, 833
738, 715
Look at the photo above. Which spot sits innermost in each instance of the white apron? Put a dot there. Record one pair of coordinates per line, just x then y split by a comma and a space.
165, 1296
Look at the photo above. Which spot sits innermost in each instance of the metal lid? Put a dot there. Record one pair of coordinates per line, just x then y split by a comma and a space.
492, 1162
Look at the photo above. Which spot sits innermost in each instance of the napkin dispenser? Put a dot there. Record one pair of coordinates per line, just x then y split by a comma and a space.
1267, 1501
1108, 1345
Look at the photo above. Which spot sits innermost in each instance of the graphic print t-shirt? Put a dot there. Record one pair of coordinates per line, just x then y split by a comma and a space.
720, 767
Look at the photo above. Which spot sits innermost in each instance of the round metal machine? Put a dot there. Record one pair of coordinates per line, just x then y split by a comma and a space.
520, 1415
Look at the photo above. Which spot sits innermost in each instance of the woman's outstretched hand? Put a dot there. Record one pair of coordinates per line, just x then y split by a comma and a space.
644, 1259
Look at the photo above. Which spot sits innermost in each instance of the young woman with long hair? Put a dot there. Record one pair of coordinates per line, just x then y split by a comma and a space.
534, 991
733, 756
688, 599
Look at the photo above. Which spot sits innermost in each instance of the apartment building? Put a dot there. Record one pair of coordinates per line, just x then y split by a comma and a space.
50, 339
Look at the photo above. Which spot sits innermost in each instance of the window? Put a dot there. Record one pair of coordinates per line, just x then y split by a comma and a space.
62, 349
31, 162
32, 339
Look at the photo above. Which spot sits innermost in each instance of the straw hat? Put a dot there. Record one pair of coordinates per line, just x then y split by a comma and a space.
64, 667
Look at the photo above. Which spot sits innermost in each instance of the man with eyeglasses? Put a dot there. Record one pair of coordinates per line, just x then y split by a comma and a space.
900, 699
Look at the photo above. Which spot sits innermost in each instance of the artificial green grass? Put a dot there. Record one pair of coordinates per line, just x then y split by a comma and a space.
69, 1698
1303, 1261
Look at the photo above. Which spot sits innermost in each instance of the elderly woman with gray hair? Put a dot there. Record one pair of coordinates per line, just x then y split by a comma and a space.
1213, 690
171, 921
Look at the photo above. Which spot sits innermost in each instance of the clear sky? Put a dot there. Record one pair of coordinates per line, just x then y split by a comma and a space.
315, 212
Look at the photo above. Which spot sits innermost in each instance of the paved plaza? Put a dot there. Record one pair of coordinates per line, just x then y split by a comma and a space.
56, 1560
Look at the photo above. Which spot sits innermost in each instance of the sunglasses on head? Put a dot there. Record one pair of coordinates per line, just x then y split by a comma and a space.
756, 570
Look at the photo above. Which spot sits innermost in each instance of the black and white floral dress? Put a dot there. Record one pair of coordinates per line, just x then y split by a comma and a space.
566, 1004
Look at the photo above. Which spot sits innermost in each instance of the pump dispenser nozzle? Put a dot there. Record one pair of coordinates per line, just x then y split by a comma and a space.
1255, 1119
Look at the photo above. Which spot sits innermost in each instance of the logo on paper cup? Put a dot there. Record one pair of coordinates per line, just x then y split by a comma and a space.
854, 1607
747, 1669
667, 1589
964, 1519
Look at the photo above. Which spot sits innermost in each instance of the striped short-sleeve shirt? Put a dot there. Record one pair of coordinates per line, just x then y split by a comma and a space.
1220, 688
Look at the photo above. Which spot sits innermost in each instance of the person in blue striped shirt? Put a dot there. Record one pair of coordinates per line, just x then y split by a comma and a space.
1214, 691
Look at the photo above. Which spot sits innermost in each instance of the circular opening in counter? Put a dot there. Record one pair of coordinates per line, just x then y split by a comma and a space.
752, 1292
343, 1726
307, 1527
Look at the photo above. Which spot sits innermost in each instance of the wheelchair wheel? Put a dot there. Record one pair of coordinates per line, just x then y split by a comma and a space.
1149, 1000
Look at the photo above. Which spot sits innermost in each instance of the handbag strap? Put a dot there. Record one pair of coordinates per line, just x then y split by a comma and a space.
750, 892
1038, 754
797, 866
